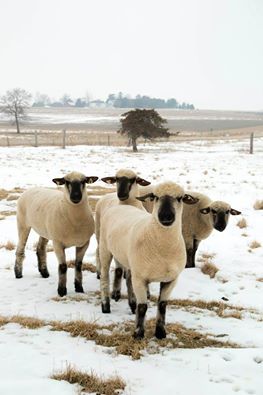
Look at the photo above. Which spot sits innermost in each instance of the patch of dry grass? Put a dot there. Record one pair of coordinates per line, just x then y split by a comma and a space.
260, 279
258, 205
90, 382
7, 213
4, 193
254, 244
119, 336
85, 266
9, 245
242, 223
27, 322
210, 269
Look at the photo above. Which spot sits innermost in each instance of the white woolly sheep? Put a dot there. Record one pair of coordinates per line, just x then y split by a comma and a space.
127, 189
151, 246
196, 225
199, 222
60, 215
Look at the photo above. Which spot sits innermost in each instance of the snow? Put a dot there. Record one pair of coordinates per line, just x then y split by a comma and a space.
225, 171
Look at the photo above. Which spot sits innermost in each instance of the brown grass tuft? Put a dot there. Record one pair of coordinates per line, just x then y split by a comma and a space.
90, 382
258, 205
254, 244
210, 269
85, 266
9, 245
242, 223
260, 279
27, 322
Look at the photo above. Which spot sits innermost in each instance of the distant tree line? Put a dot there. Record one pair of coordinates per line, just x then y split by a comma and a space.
114, 100
124, 101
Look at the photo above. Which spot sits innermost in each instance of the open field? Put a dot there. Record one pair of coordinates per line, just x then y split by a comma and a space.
214, 321
99, 126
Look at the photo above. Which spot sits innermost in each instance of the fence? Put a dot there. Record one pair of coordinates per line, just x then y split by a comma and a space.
71, 138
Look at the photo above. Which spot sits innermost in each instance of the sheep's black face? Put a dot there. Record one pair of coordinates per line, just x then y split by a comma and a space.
220, 219
75, 189
166, 211
124, 185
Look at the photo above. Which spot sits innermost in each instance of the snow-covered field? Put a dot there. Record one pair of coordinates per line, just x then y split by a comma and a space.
29, 356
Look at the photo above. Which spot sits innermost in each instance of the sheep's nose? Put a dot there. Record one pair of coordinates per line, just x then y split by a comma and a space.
166, 219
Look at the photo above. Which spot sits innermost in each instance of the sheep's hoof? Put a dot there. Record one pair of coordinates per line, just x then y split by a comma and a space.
62, 291
44, 273
160, 332
18, 273
132, 307
79, 288
105, 306
98, 275
138, 334
116, 295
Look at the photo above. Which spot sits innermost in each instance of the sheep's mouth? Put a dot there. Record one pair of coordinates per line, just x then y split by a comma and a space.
122, 198
220, 227
75, 201
167, 222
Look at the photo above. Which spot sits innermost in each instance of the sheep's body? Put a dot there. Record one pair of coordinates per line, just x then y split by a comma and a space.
127, 190
196, 225
52, 217
63, 216
152, 251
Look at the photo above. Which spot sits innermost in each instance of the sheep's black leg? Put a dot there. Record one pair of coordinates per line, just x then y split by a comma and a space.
140, 317
42, 257
140, 291
62, 268
23, 234
131, 296
116, 292
106, 258
80, 252
165, 291
189, 258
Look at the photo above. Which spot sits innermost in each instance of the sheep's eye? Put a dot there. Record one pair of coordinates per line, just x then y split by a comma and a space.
213, 211
179, 199
227, 211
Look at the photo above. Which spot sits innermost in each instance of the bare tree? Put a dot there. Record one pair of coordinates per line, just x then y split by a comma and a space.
14, 103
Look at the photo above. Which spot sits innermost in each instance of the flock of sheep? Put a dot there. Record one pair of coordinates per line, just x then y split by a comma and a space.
152, 232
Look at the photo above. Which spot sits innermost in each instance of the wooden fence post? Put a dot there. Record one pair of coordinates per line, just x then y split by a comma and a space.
7, 142
36, 139
251, 146
64, 139
108, 140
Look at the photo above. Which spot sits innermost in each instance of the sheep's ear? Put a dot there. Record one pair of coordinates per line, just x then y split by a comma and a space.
91, 179
189, 199
205, 210
234, 212
109, 180
150, 196
59, 181
142, 182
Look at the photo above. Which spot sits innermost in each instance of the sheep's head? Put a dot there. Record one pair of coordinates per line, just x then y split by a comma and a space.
75, 185
219, 214
126, 182
167, 200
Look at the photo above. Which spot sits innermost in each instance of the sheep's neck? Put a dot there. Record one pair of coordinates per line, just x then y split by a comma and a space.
164, 237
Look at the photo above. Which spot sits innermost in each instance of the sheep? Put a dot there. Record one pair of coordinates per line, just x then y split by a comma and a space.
61, 215
200, 220
127, 189
151, 246
196, 225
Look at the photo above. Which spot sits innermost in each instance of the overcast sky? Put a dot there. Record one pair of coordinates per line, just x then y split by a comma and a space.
206, 52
